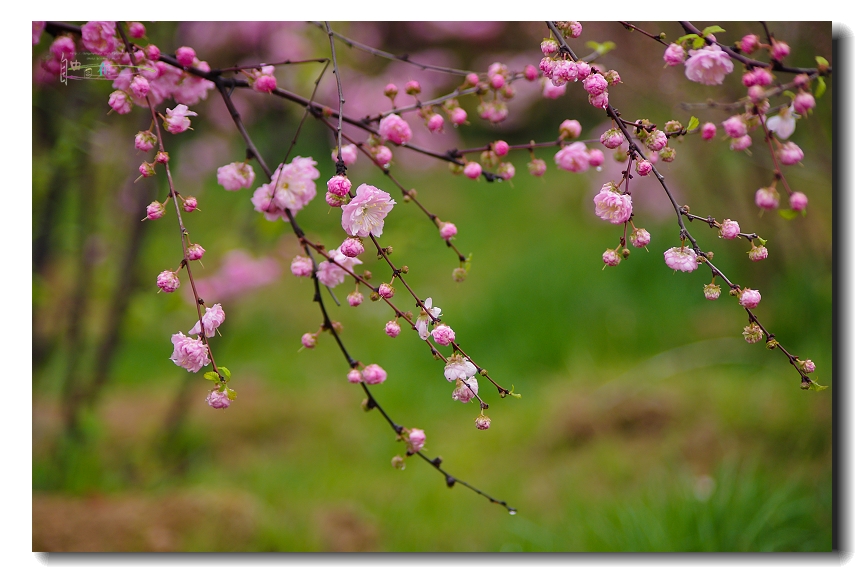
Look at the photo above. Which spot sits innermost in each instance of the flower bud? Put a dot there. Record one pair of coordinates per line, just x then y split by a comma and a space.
392, 329
301, 266
351, 247
752, 333
709, 130
146, 169
162, 157
190, 204
611, 258
217, 399
155, 210
729, 229
145, 140
354, 376
537, 167
570, 129
390, 90
448, 231
749, 298
640, 238
412, 87
806, 366
797, 201
767, 198
355, 298
168, 281
195, 252
443, 335
712, 291
398, 463
758, 253
374, 374
459, 274
667, 154
482, 422
309, 340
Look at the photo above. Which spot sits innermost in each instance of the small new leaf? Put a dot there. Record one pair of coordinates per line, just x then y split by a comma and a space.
816, 387
822, 61
232, 395
698, 43
788, 214
820, 87
212, 376
687, 37
789, 94
226, 373
712, 30
694, 123
514, 394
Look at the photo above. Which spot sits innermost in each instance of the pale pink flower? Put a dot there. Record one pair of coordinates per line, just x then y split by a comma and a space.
374, 374
752, 333
309, 340
195, 252
537, 167
482, 422
443, 335
473, 170
365, 213
355, 298
167, 281
681, 259
349, 154
640, 238
458, 368
99, 37
301, 266
382, 155
162, 157
790, 154
804, 102
612, 138
573, 157
740, 143
709, 130
177, 119
643, 167
351, 247
213, 317
217, 399
600, 100
145, 140
354, 376
749, 43
656, 140
549, 47
339, 185
435, 123
757, 77
292, 187
612, 206
758, 253
712, 291
146, 169
779, 50
392, 329
422, 324
457, 115
155, 210
749, 298
570, 129
264, 83
386, 290
735, 126
611, 258
416, 439
331, 274
394, 128
139, 86
152, 52
550, 90
674, 55
807, 366
120, 102
797, 201
472, 79
448, 231
729, 229
189, 353
235, 176
708, 66
767, 198
466, 390
595, 84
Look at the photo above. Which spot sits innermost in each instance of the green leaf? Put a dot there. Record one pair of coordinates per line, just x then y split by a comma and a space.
232, 395
514, 394
212, 376
226, 373
698, 43
694, 123
788, 214
789, 94
687, 37
712, 30
817, 387
608, 46
593, 46
820, 87
822, 61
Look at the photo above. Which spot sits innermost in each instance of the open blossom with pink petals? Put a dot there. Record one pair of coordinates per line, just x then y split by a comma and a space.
374, 374
213, 317
708, 66
422, 324
573, 157
177, 119
466, 390
612, 206
189, 353
331, 274
459, 368
365, 214
217, 399
349, 154
674, 55
681, 259
301, 266
235, 176
394, 128
168, 281
291, 187
749, 298
99, 37
416, 438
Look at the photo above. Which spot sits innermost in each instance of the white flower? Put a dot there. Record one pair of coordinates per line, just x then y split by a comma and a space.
423, 320
458, 367
783, 124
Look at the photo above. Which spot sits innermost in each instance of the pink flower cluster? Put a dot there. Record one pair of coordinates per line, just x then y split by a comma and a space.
292, 187
263, 80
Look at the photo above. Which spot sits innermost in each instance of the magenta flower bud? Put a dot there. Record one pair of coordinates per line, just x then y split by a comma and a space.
790, 154
749, 298
674, 55
643, 167
500, 148
140, 87
595, 84
386, 290
537, 167
807, 366
549, 47
767, 198
185, 55
217, 399
473, 170
339, 185
640, 238
355, 298
735, 126
466, 390
349, 154
443, 334
435, 124
612, 138
264, 83
803, 102
146, 170
392, 329
155, 210
448, 231
458, 116
756, 93
120, 102
162, 157
612, 206
351, 247
497, 81
583, 70
374, 374
472, 79
729, 229
506, 171
99, 37
195, 252
797, 201
152, 52
712, 291
681, 259
570, 129
801, 80
145, 141
416, 439
137, 30
190, 204
709, 130
611, 258
752, 333
301, 266
412, 87
354, 376
656, 140
482, 422
779, 50
334, 200
382, 155
758, 253
749, 43
531, 73
309, 340
167, 281
740, 143
62, 47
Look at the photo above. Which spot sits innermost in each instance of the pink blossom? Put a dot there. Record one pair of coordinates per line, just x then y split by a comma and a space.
595, 84
458, 116
473, 170
38, 27
235, 176
355, 298
62, 47
749, 298
422, 324
497, 81
807, 366
349, 154
530, 73
189, 353
435, 123
758, 253
394, 128
139, 86
152, 52
500, 148
98, 37
612, 206
331, 274
412, 87
190, 204
301, 266
756, 94
506, 170
472, 79
217, 399
779, 50
712, 291
729, 229
482, 422
752, 333
120, 102
145, 141
656, 140
573, 157
448, 231
643, 167
797, 201
740, 143
674, 55
443, 335
391, 91
767, 198
600, 100
681, 259
265, 81
155, 210
339, 185
354, 376
309, 340
537, 167
162, 157
570, 129
458, 368
195, 252
382, 155
213, 318
392, 329
335, 200
137, 30
167, 281
365, 213
416, 439
291, 187
709, 130
146, 169
804, 102
735, 126
583, 70
374, 374
466, 390
749, 43
640, 238
386, 290
177, 119
351, 247
185, 55
757, 77
790, 154
611, 258
708, 65
549, 47
612, 138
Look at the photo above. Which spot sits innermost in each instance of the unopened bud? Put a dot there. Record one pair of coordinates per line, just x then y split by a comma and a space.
404, 270
672, 126
398, 463
459, 274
